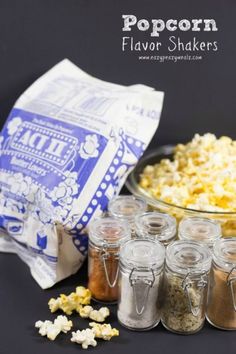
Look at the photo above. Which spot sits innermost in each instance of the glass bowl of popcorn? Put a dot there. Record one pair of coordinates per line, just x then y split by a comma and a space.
193, 179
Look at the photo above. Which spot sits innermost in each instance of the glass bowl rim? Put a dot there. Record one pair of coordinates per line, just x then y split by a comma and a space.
133, 186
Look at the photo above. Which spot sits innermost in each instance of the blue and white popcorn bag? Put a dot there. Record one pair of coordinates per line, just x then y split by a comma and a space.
66, 149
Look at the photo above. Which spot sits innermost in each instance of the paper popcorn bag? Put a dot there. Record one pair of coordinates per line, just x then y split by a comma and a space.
66, 149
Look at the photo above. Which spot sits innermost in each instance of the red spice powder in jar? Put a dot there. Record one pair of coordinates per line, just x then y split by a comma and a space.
105, 237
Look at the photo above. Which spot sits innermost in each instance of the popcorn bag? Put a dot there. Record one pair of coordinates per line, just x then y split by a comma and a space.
66, 149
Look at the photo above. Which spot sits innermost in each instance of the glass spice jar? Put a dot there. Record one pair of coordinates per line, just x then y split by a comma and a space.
221, 311
126, 207
186, 278
156, 226
105, 237
140, 280
200, 229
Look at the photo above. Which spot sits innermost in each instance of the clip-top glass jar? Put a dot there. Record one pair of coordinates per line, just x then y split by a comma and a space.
105, 237
221, 311
140, 279
126, 207
200, 229
156, 226
185, 286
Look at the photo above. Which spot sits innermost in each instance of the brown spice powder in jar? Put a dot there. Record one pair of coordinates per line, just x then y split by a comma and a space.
220, 310
105, 237
98, 284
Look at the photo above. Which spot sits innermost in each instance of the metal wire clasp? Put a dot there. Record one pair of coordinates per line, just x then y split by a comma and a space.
107, 260
196, 281
141, 286
230, 282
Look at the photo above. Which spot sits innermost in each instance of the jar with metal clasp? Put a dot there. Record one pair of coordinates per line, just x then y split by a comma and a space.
221, 311
105, 238
140, 280
185, 288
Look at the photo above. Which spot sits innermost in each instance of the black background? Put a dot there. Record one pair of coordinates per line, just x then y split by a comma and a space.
199, 97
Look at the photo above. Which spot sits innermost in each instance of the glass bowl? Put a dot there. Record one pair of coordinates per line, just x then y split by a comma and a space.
227, 219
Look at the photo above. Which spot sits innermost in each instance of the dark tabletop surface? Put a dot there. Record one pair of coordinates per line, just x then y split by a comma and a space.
22, 302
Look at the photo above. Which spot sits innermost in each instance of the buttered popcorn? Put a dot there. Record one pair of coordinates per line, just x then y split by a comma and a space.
75, 301
71, 302
202, 175
87, 336
104, 331
95, 315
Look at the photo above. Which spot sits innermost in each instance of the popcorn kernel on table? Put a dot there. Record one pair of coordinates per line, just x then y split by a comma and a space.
52, 329
104, 331
86, 337
95, 315
71, 302
84, 295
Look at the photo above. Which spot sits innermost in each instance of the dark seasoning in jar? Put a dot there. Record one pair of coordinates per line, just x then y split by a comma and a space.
105, 237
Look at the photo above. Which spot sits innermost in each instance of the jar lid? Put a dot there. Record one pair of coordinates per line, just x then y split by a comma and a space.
224, 253
158, 226
199, 229
126, 207
142, 253
188, 256
108, 231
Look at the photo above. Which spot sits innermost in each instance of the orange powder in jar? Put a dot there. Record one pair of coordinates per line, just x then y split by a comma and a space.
105, 237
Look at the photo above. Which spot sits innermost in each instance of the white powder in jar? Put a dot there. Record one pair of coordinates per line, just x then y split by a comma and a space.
127, 313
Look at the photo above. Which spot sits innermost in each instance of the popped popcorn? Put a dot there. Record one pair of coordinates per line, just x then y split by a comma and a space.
52, 329
84, 295
95, 315
104, 331
202, 175
71, 302
85, 337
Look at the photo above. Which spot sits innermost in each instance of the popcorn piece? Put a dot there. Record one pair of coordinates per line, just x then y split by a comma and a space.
52, 329
99, 315
85, 337
95, 315
48, 329
71, 302
85, 311
54, 304
67, 305
104, 331
84, 295
63, 323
